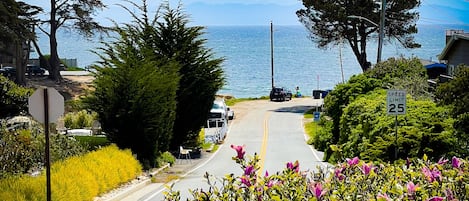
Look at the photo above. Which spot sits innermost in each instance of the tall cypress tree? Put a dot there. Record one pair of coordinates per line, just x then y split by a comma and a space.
201, 73
135, 94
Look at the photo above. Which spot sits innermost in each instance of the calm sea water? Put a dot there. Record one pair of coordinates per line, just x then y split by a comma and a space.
297, 60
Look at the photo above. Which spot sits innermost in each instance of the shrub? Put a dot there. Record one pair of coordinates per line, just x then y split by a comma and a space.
354, 179
81, 119
77, 178
166, 157
367, 131
13, 98
23, 150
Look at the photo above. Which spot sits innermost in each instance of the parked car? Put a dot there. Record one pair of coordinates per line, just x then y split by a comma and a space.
8, 71
34, 70
219, 110
280, 94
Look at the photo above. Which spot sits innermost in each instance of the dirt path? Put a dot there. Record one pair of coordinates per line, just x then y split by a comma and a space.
71, 87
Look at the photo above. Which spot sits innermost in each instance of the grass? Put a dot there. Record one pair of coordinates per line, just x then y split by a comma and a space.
308, 114
92, 142
74, 68
311, 128
233, 101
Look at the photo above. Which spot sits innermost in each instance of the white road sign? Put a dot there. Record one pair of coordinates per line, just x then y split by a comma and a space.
396, 102
55, 104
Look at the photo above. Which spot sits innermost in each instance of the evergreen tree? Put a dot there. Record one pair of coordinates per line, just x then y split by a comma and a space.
201, 73
16, 28
135, 94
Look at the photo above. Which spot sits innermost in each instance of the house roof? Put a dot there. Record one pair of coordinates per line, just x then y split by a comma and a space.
450, 43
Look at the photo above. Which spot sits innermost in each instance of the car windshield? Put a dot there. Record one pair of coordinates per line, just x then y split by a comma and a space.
217, 106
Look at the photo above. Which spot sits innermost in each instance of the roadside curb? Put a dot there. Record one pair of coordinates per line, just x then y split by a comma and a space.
127, 191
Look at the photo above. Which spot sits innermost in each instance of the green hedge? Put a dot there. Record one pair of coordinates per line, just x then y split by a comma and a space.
367, 131
76, 178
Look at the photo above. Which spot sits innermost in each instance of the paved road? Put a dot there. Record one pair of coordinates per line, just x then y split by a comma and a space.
274, 130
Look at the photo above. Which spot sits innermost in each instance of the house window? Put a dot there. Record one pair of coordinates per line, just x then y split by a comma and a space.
451, 70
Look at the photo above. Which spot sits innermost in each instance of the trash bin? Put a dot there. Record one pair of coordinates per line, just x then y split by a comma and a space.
317, 94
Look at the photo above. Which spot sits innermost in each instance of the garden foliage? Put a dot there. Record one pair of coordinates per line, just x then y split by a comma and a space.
76, 178
22, 151
13, 98
80, 119
455, 93
357, 122
367, 131
352, 180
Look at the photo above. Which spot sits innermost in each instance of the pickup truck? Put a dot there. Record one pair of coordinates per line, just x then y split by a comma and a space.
216, 127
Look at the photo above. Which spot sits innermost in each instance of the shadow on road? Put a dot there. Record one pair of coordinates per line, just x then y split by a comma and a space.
295, 109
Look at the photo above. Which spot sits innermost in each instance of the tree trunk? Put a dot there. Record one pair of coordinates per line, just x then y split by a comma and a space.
19, 63
42, 60
54, 61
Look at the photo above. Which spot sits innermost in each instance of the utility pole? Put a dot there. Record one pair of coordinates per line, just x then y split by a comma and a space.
272, 51
381, 30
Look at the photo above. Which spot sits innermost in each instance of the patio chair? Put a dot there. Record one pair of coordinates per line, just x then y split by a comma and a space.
185, 153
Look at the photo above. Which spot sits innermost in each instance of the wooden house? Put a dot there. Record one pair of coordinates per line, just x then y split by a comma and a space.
456, 51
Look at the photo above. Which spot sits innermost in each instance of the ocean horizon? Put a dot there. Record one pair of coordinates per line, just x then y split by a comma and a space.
297, 60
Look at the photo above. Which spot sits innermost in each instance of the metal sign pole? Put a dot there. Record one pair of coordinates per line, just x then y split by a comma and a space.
46, 130
396, 149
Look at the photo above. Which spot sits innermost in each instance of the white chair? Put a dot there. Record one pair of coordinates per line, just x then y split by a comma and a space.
185, 153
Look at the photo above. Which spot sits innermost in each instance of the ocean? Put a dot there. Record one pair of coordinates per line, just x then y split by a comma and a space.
297, 60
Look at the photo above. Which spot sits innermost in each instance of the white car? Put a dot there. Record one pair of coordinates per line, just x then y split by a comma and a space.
220, 110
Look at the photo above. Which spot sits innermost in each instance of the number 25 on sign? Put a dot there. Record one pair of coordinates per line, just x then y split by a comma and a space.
396, 102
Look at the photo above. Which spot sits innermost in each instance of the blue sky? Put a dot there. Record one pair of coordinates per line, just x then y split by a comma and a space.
281, 12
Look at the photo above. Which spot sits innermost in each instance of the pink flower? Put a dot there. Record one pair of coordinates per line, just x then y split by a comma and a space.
353, 161
431, 175
249, 170
338, 173
455, 162
435, 198
383, 196
266, 174
366, 169
294, 166
270, 183
239, 150
317, 190
442, 161
449, 194
245, 181
411, 187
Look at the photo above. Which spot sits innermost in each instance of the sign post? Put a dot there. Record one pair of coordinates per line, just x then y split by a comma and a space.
46, 105
396, 105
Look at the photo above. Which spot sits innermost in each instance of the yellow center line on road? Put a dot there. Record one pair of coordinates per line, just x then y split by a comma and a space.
264, 143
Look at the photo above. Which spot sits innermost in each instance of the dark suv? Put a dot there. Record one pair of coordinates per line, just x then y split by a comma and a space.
280, 94
34, 70
8, 71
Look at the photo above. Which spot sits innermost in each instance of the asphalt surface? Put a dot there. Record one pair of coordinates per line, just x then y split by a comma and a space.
273, 130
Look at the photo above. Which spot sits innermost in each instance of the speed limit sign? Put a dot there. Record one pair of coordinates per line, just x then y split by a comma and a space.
396, 102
